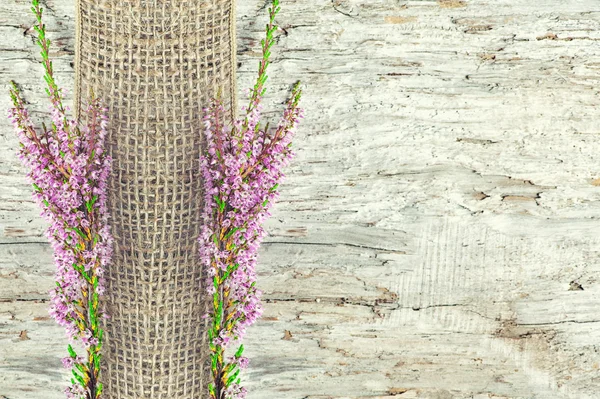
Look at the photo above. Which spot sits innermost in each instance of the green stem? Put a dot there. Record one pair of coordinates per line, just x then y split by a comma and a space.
266, 43
44, 45
292, 105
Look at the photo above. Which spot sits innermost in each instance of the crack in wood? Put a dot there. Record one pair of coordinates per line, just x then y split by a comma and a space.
553, 323
24, 243
326, 244
36, 300
336, 4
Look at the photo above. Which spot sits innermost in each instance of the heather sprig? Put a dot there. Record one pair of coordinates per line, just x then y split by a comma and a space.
68, 169
242, 169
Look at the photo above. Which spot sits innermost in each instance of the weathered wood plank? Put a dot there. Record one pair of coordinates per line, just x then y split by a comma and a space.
437, 236
31, 345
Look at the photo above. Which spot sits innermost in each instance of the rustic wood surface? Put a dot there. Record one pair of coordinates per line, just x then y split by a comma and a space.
437, 236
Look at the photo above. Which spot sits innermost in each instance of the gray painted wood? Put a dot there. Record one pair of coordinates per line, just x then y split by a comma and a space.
437, 236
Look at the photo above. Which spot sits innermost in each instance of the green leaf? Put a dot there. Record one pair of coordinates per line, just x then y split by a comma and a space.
84, 274
217, 318
230, 270
231, 232
97, 362
219, 202
72, 352
78, 267
78, 231
78, 378
225, 275
234, 267
79, 367
265, 202
92, 312
99, 391
239, 351
89, 204
233, 377
274, 187
36, 187
46, 203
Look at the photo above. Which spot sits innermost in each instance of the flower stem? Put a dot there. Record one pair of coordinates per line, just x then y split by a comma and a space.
241, 172
266, 44
44, 45
68, 186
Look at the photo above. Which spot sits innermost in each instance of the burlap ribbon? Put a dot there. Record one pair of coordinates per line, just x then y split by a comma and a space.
155, 63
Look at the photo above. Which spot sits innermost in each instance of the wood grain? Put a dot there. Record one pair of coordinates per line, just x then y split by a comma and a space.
437, 235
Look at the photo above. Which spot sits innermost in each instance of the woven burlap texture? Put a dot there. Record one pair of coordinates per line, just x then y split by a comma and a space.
155, 64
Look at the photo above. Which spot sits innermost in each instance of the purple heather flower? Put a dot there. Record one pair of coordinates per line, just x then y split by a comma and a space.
74, 391
243, 362
68, 170
68, 362
241, 169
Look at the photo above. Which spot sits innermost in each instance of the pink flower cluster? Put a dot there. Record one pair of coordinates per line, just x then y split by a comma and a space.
74, 391
68, 170
242, 169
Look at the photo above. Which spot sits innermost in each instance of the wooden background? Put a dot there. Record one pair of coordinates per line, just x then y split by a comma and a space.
437, 236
